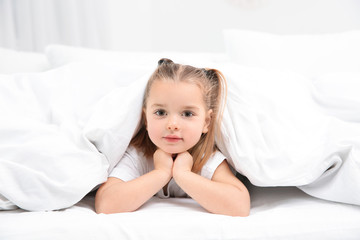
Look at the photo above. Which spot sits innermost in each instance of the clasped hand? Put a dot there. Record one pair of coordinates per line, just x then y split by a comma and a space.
164, 161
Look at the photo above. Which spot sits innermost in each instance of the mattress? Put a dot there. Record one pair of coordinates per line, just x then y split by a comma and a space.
276, 213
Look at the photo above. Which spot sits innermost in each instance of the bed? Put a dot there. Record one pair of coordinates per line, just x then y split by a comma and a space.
291, 130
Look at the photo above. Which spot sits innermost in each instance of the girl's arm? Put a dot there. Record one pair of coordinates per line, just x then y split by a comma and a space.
116, 196
223, 194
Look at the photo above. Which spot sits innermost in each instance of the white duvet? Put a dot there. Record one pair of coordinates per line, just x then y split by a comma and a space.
62, 131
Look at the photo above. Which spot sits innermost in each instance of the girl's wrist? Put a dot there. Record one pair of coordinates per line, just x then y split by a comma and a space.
166, 175
178, 174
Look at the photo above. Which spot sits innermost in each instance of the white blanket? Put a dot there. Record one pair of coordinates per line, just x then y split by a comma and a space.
62, 132
277, 133
52, 129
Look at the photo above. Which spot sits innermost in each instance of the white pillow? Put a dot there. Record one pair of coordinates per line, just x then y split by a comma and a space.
59, 55
12, 61
306, 54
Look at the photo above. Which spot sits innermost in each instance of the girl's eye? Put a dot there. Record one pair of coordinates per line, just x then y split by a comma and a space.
188, 114
160, 112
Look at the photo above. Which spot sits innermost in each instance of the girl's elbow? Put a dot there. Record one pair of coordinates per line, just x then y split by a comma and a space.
242, 209
102, 205
107, 206
100, 210
235, 211
243, 212
105, 209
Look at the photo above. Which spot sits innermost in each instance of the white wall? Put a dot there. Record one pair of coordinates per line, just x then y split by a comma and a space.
163, 25
196, 25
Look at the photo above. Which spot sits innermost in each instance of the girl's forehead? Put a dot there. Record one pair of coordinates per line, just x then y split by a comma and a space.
175, 92
175, 85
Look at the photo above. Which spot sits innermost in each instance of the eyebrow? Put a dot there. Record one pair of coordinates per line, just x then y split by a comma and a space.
156, 105
191, 107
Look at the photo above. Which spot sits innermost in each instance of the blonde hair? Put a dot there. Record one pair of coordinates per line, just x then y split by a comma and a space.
213, 85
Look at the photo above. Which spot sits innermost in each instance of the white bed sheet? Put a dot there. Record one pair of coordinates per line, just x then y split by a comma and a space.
276, 213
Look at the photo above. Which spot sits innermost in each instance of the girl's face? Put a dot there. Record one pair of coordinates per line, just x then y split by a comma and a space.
176, 115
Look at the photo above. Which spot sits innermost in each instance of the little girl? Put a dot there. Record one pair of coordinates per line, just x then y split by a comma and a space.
174, 154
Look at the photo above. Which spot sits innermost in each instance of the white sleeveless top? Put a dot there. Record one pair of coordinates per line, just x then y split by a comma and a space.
134, 164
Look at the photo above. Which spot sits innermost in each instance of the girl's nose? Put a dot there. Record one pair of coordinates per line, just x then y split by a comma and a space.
172, 124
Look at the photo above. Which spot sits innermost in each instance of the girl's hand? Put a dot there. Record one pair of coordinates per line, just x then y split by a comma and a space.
183, 162
163, 161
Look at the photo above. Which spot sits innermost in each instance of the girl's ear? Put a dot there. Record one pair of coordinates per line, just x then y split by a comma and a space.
208, 119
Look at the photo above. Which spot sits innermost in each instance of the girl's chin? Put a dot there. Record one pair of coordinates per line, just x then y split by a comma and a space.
173, 151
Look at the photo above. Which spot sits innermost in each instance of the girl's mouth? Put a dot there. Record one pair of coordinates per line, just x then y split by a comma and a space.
172, 138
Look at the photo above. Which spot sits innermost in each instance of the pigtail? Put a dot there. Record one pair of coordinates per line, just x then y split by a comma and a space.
217, 76
164, 61
204, 149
